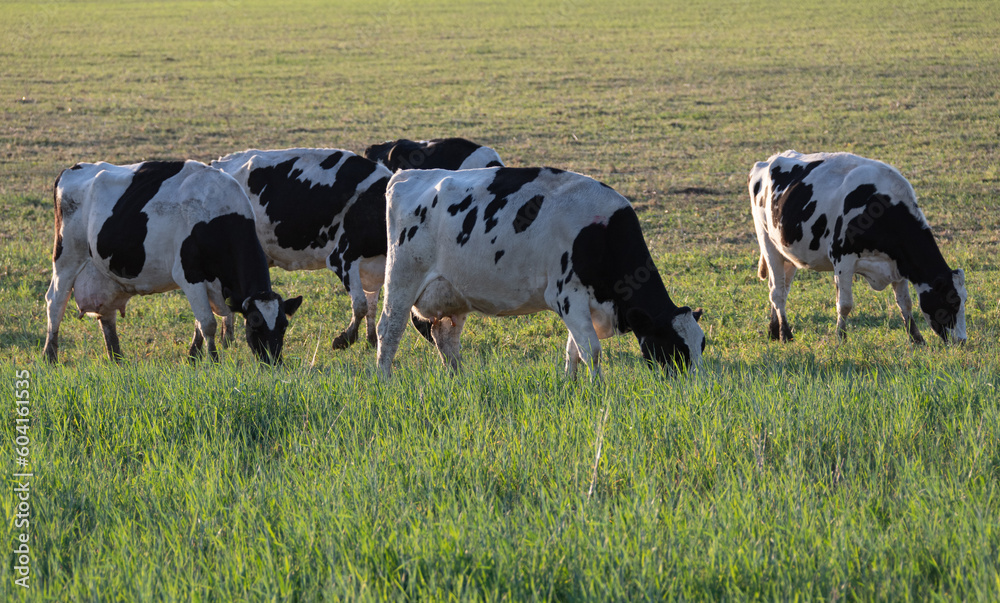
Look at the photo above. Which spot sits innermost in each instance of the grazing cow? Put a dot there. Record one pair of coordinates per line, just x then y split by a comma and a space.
509, 241
320, 208
851, 215
151, 227
443, 153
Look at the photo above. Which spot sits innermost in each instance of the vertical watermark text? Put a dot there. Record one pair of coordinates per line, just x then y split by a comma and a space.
22, 477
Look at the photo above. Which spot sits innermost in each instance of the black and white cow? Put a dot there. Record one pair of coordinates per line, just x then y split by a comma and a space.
510, 241
851, 215
151, 227
443, 153
320, 208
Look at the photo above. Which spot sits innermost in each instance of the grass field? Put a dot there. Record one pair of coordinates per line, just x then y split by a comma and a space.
865, 470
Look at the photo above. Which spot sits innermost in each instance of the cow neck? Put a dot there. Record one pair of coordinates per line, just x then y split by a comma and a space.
637, 282
920, 261
249, 275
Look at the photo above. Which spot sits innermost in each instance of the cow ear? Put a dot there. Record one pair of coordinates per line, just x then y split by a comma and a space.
390, 158
639, 320
291, 305
697, 314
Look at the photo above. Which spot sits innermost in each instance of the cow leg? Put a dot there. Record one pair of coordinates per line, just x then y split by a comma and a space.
572, 357
780, 278
902, 291
201, 305
843, 279
372, 271
584, 339
780, 273
109, 328
56, 299
446, 332
64, 274
359, 307
219, 308
228, 334
401, 294
194, 351
371, 299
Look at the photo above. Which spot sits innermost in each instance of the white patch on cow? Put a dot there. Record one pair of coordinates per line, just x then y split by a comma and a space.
269, 310
691, 334
480, 158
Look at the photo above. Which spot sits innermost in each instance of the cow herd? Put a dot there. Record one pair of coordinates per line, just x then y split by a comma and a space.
447, 230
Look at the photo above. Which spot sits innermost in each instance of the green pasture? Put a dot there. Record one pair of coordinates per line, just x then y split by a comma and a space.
867, 469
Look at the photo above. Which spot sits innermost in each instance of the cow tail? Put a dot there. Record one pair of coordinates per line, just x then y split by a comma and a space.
57, 243
762, 268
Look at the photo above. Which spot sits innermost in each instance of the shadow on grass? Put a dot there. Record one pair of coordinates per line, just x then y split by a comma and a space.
22, 339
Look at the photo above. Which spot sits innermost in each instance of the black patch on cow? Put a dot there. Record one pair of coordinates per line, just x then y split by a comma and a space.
565, 305
494, 164
489, 214
402, 237
302, 210
508, 181
890, 229
122, 236
781, 180
364, 224
792, 205
499, 254
413, 231
226, 248
332, 160
865, 197
493, 241
467, 225
527, 213
458, 208
434, 202
440, 153
559, 285
614, 262
78, 166
819, 230
756, 188
564, 260
792, 209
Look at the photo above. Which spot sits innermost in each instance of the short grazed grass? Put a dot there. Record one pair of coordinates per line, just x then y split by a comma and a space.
864, 469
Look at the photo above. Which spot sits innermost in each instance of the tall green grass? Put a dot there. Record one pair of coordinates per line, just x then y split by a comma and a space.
743, 481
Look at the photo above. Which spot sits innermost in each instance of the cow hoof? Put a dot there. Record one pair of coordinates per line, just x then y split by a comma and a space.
341, 342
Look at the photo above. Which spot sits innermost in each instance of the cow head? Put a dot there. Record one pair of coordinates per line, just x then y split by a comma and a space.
266, 317
943, 305
673, 339
379, 152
